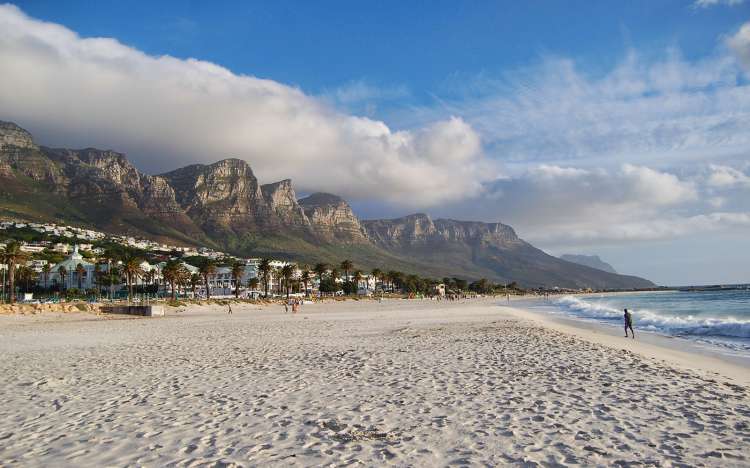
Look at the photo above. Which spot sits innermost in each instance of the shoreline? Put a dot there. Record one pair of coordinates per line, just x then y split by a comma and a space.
677, 351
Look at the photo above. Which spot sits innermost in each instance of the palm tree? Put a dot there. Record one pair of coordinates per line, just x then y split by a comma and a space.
195, 280
132, 269
305, 277
334, 275
171, 272
183, 277
13, 255
207, 268
357, 278
377, 274
96, 279
265, 272
287, 272
80, 271
385, 278
253, 283
238, 269
46, 269
320, 269
148, 277
25, 275
280, 281
395, 277
62, 272
346, 265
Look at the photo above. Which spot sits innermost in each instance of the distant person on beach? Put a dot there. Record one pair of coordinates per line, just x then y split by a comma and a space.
230, 309
286, 307
628, 323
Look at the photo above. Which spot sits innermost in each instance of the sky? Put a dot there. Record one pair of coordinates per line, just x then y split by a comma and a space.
613, 128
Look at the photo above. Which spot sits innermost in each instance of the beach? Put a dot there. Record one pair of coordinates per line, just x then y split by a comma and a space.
402, 382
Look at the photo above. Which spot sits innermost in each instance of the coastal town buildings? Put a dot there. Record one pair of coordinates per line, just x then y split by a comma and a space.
80, 248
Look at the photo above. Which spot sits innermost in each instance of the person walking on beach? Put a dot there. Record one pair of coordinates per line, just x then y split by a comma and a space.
230, 309
628, 323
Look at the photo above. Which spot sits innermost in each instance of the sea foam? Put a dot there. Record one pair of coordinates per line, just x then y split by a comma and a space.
656, 320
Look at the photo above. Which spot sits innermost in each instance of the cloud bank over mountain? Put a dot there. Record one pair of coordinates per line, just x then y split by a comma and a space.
166, 112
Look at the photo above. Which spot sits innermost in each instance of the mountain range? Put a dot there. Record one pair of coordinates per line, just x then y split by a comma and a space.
222, 205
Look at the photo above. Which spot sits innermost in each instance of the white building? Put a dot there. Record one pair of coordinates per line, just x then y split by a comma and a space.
71, 278
32, 248
61, 248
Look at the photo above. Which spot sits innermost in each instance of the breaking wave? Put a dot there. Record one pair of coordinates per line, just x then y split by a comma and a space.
659, 321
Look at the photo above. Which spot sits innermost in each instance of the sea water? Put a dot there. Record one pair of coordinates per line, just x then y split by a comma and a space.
719, 318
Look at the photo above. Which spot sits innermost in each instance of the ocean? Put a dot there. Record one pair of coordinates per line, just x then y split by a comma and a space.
719, 318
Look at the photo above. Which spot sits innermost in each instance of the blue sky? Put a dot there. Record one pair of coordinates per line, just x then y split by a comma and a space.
619, 128
320, 46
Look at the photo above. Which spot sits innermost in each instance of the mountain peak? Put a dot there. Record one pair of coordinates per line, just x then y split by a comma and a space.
13, 135
332, 219
231, 162
321, 199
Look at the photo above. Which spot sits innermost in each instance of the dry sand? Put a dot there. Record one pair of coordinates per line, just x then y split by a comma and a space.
354, 383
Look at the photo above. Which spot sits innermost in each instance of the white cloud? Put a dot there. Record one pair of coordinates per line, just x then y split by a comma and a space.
710, 3
166, 112
644, 111
656, 187
648, 150
727, 177
557, 206
660, 228
740, 44
359, 91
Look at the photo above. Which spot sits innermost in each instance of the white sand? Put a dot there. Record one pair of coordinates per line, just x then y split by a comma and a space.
403, 382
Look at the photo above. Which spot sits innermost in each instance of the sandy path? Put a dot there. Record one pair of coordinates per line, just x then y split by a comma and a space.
405, 383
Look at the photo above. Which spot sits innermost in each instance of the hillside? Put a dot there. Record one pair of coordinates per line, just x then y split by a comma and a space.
592, 261
222, 205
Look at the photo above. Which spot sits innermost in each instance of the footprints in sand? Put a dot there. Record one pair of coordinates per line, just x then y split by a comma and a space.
367, 390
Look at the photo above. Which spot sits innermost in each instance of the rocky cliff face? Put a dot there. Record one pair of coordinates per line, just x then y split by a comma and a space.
416, 228
19, 154
332, 219
282, 202
491, 249
222, 197
13, 135
421, 229
222, 204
